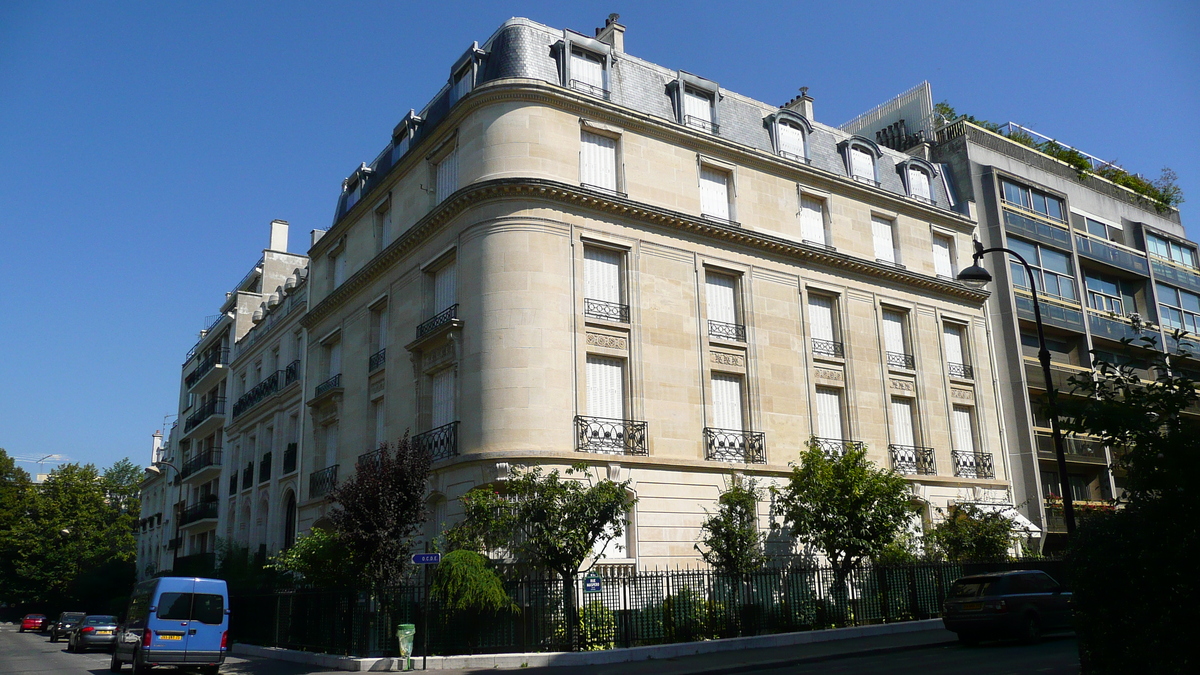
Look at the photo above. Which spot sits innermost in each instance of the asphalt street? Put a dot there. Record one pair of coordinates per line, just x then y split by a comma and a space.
1053, 656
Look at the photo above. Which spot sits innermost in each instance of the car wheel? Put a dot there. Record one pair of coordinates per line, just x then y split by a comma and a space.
115, 664
1031, 629
139, 668
53, 636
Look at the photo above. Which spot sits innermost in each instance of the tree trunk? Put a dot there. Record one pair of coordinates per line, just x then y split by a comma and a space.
570, 616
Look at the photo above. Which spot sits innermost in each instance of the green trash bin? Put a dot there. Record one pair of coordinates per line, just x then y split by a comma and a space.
405, 633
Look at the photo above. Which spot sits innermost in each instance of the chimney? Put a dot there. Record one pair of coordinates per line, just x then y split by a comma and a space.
315, 236
156, 447
802, 104
613, 33
279, 234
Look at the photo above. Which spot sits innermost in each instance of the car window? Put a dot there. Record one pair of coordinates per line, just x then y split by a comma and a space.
99, 620
1042, 583
974, 587
208, 608
175, 606
73, 616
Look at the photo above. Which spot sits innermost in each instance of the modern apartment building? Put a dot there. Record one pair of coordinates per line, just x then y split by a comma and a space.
571, 254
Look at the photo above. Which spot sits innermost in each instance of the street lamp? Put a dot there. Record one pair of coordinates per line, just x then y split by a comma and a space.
976, 276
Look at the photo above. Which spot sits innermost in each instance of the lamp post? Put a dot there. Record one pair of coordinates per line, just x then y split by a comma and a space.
978, 277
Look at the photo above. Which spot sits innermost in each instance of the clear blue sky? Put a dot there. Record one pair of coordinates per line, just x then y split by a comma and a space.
144, 147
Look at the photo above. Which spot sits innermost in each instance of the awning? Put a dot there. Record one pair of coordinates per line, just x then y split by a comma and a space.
1020, 522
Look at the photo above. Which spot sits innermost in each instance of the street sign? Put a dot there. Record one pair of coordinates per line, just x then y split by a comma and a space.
591, 583
426, 558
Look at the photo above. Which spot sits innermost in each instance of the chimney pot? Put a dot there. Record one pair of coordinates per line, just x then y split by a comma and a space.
612, 34
802, 105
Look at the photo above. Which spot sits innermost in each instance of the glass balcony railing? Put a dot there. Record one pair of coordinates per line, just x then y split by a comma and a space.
1117, 256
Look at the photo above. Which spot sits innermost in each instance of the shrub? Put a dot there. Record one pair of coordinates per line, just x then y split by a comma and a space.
598, 627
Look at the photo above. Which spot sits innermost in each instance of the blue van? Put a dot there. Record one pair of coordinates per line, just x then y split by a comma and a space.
174, 621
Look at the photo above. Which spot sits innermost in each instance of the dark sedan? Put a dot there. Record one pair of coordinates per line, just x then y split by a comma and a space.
95, 630
64, 624
1022, 604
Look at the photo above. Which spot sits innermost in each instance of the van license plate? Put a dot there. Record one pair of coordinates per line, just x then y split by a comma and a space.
169, 637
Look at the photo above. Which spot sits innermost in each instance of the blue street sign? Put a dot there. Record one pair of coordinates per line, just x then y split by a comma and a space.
591, 584
427, 558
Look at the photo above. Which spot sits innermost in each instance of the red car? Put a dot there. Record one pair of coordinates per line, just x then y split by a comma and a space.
32, 622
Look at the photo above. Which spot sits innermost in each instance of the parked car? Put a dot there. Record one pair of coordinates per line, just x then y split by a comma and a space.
94, 630
1021, 603
174, 621
32, 622
61, 627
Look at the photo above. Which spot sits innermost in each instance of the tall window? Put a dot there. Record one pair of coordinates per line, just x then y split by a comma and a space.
602, 284
881, 233
963, 422
953, 337
943, 256
791, 140
379, 417
698, 109
822, 326
333, 358
1170, 250
1109, 294
1179, 309
587, 72
862, 165
894, 339
332, 441
447, 175
445, 291
721, 292
812, 220
829, 413
463, 82
605, 387
442, 398
337, 267
727, 401
918, 184
714, 192
598, 161
902, 421
383, 226
1034, 200
1104, 230
1054, 268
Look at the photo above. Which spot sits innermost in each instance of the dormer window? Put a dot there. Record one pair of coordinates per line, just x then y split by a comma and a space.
918, 184
464, 73
789, 135
695, 102
860, 155
403, 134
588, 73
918, 176
463, 82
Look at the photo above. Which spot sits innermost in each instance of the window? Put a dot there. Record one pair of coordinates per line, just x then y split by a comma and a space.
379, 327
332, 440
1169, 250
445, 281
1109, 294
379, 417
721, 294
714, 193
602, 284
885, 247
862, 165
588, 73
698, 109
895, 341
1033, 200
1104, 230
822, 326
333, 358
918, 184
598, 161
337, 267
383, 226
812, 220
829, 413
791, 140
943, 256
953, 337
1054, 268
963, 422
727, 401
446, 180
605, 387
902, 421
1180, 310
463, 82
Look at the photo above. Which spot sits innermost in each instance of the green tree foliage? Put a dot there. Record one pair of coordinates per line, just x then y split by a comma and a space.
465, 584
16, 497
843, 506
318, 559
732, 541
970, 533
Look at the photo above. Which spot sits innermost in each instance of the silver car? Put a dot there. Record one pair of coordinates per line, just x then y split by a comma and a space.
95, 630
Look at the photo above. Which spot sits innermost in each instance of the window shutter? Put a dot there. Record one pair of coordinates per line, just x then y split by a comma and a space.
383, 327
791, 140
602, 275
443, 398
714, 193
885, 248
893, 332
812, 220
606, 387
829, 413
820, 317
598, 161
943, 265
862, 164
697, 105
964, 429
380, 418
447, 175
902, 421
954, 350
335, 358
462, 85
721, 303
331, 445
444, 287
918, 183
587, 69
727, 401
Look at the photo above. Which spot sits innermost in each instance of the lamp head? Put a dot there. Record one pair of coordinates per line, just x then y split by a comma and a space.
975, 276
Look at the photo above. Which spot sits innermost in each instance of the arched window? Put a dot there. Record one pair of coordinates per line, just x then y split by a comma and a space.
289, 520
789, 134
918, 175
860, 154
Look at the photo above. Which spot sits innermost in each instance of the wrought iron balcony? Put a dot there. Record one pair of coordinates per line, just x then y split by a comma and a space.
258, 393
198, 512
377, 360
610, 436
369, 460
702, 124
264, 468
214, 358
912, 459
332, 383
214, 406
590, 89
248, 476
291, 373
836, 447
440, 443
440, 319
898, 360
289, 458
321, 482
726, 331
200, 461
961, 371
729, 445
973, 465
828, 348
609, 311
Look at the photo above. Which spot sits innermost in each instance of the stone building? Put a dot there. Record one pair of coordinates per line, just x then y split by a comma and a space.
155, 530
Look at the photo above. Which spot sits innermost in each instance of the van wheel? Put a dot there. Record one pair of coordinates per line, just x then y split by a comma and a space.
209, 670
115, 664
1031, 630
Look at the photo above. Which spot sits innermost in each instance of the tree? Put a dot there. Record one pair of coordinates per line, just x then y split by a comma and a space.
732, 540
466, 585
970, 533
379, 509
843, 506
547, 520
15, 502
318, 559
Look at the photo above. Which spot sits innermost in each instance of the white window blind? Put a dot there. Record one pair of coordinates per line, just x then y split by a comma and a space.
606, 387
462, 85
339, 268
964, 429
954, 346
727, 401
943, 262
714, 193
791, 140
697, 105
721, 303
902, 421
447, 175
829, 413
820, 317
598, 161
862, 164
443, 398
602, 274
587, 68
331, 445
812, 220
893, 332
335, 358
382, 334
444, 287
881, 231
380, 418
918, 183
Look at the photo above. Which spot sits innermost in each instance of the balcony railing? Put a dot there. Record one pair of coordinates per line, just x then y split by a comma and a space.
197, 512
730, 445
289, 458
836, 447
609, 311
264, 468
610, 436
440, 319
321, 482
590, 89
1074, 448
440, 443
1124, 257
204, 459
912, 459
215, 406
258, 393
973, 465
898, 360
961, 371
726, 331
828, 348
291, 373
216, 357
702, 124
369, 460
377, 360
248, 476
332, 383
